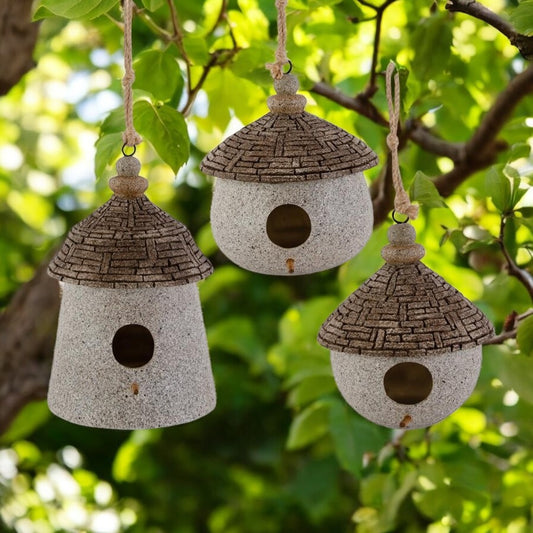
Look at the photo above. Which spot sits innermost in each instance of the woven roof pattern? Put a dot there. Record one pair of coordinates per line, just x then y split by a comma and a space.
280, 148
129, 243
405, 310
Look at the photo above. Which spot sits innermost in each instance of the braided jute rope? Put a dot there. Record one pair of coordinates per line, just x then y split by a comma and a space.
402, 203
276, 68
130, 136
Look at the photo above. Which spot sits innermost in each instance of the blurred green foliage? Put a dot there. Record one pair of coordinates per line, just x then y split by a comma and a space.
282, 451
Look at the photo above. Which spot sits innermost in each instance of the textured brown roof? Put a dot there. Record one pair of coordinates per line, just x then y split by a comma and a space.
404, 310
129, 242
281, 147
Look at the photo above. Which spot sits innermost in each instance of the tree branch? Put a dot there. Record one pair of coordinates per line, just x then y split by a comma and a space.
473, 8
522, 275
27, 333
360, 103
372, 87
511, 333
482, 149
18, 36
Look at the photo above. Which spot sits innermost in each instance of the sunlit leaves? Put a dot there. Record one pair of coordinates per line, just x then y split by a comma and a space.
107, 149
157, 72
166, 130
503, 187
159, 124
431, 43
73, 9
522, 17
424, 192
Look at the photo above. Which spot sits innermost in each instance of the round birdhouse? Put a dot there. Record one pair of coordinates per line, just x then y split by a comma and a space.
290, 196
131, 349
405, 346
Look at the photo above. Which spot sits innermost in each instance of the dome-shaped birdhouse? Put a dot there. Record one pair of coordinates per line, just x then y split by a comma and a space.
405, 346
131, 349
290, 196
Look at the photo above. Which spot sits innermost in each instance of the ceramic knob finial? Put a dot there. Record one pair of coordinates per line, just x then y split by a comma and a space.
402, 249
128, 183
286, 100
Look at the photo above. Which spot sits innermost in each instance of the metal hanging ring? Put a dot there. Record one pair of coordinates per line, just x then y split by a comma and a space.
399, 221
290, 67
128, 155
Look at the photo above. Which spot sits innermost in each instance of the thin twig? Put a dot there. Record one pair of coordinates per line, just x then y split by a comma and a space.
178, 33
372, 87
473, 8
511, 334
513, 269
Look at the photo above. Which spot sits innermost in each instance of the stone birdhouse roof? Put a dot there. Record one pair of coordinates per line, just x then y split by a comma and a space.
129, 242
288, 145
405, 309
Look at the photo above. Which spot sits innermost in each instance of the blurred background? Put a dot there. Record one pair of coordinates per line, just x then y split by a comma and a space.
282, 452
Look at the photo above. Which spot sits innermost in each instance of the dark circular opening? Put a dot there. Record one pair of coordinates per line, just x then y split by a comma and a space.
288, 226
133, 345
408, 383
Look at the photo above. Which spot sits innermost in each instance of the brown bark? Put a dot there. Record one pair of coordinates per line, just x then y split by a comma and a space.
18, 36
27, 333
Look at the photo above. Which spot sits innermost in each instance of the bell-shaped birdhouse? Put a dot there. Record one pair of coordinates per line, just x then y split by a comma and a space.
131, 349
405, 346
290, 196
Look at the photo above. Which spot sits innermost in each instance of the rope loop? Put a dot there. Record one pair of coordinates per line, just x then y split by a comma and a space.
402, 203
276, 68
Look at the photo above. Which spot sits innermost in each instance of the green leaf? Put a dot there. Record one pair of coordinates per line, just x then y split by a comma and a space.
311, 389
354, 436
432, 43
165, 129
524, 336
108, 148
519, 151
315, 487
498, 188
522, 17
309, 426
424, 192
157, 72
237, 335
152, 5
30, 417
73, 9
345, 439
197, 50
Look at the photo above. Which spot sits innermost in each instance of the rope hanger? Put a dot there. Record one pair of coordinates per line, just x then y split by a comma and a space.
402, 202
276, 68
130, 135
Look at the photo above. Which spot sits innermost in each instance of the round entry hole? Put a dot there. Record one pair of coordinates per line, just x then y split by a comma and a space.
288, 226
133, 345
408, 383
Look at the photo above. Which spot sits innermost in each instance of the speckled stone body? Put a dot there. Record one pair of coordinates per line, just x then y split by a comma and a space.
341, 222
289, 156
89, 387
359, 378
405, 313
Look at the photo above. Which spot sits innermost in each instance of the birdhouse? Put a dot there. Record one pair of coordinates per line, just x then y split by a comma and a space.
290, 196
131, 349
405, 346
